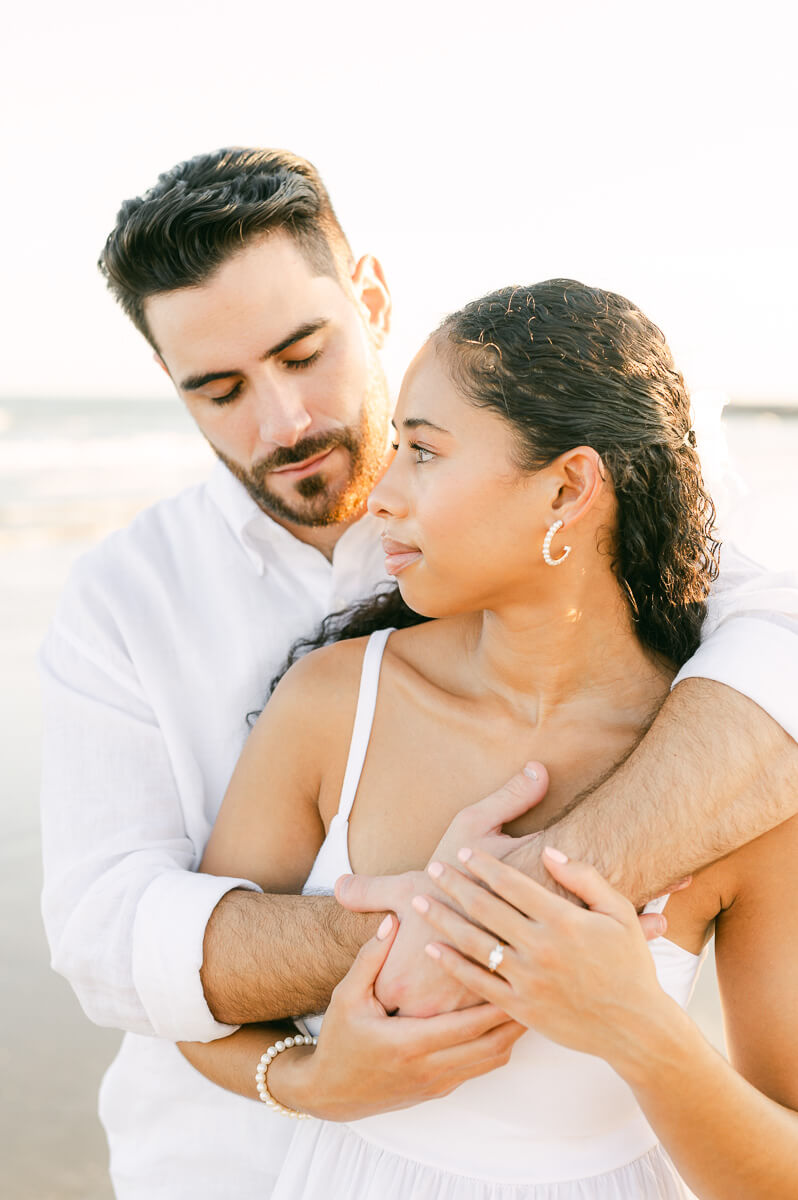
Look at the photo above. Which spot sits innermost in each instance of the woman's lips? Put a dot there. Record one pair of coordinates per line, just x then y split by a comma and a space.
398, 555
300, 470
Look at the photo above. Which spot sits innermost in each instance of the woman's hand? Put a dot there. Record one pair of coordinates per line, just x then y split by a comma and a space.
583, 977
406, 985
366, 1062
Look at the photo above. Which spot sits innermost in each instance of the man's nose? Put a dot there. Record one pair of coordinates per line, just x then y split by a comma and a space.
282, 416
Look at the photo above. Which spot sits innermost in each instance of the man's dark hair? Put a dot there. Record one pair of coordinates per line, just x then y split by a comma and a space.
199, 214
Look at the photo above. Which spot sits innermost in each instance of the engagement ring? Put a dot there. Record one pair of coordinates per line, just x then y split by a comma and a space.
496, 956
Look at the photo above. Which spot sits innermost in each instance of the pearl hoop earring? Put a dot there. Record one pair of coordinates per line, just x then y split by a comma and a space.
553, 562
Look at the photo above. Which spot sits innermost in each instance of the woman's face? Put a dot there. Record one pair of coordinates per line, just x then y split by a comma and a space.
461, 531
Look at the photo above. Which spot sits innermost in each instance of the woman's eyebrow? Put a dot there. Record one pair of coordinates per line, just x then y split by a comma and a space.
414, 422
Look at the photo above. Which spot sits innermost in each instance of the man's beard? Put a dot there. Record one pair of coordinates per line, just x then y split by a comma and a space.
317, 501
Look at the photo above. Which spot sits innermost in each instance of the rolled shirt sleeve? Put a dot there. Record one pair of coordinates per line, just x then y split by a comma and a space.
750, 637
123, 907
167, 953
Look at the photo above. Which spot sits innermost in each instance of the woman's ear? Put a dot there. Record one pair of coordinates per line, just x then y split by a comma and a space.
371, 292
579, 480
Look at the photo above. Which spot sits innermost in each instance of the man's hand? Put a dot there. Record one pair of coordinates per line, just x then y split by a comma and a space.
410, 982
367, 1063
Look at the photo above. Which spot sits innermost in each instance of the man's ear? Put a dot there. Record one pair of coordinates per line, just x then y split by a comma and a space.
156, 356
371, 290
578, 482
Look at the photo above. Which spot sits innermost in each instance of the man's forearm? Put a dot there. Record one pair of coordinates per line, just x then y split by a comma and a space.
713, 772
268, 957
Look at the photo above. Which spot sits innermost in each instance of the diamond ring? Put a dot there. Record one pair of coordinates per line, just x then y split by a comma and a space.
496, 957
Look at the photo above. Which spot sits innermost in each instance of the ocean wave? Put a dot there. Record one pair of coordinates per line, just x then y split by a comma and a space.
25, 455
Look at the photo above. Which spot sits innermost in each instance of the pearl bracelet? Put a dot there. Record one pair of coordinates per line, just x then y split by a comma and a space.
263, 1067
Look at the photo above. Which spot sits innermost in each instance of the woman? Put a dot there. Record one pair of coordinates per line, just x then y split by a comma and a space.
546, 504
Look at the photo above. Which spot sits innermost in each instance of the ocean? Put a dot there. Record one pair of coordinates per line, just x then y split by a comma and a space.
73, 469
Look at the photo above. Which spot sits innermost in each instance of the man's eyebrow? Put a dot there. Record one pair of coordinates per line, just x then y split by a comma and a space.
194, 382
415, 422
303, 331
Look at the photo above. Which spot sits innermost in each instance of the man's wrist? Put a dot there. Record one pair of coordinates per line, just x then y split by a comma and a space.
310, 941
527, 859
564, 835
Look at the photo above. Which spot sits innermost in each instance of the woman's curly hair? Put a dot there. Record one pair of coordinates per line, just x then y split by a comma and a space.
568, 365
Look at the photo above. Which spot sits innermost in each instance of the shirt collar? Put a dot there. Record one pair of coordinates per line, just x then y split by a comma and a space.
260, 536
238, 509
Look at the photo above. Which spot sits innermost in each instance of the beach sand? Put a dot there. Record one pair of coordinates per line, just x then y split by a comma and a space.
52, 1058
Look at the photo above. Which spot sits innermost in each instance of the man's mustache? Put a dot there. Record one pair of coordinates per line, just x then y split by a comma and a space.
286, 456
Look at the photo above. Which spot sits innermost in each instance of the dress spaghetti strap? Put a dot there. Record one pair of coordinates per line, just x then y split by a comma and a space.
364, 719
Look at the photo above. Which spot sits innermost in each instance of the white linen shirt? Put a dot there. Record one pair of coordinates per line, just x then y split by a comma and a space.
166, 637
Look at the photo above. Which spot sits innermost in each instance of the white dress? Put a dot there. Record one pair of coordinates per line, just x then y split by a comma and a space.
552, 1124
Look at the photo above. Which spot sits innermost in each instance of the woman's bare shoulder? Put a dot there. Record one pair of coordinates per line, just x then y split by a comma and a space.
319, 690
322, 687
325, 667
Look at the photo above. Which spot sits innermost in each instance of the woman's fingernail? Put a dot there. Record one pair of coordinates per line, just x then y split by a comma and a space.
662, 925
464, 854
530, 772
385, 928
420, 904
432, 951
556, 855
435, 869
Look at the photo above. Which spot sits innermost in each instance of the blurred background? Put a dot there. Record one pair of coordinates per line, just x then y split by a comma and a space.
639, 147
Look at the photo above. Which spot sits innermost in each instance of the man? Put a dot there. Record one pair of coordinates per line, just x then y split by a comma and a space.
235, 269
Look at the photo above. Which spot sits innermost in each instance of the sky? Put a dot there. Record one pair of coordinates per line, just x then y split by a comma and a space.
648, 148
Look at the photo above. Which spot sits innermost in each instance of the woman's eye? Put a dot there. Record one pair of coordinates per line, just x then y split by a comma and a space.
422, 454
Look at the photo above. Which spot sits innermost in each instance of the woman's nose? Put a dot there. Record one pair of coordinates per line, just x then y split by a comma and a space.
388, 498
